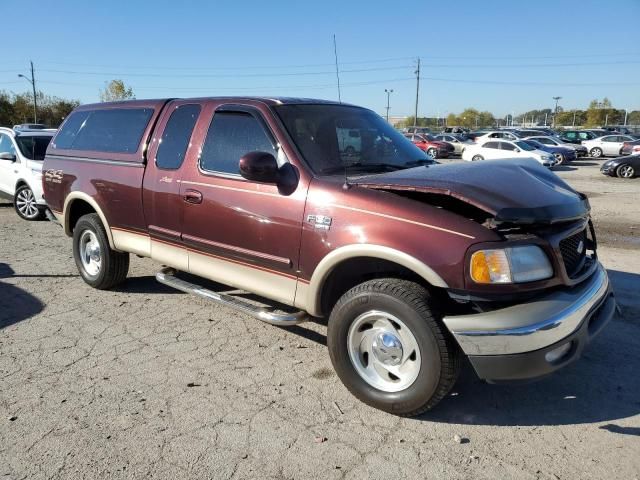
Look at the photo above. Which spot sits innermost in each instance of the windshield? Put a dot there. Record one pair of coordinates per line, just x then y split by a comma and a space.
524, 146
33, 147
334, 137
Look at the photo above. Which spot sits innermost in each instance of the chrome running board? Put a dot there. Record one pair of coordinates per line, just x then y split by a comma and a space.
167, 277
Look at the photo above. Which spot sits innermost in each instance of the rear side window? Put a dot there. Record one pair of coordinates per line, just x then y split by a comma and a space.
115, 130
176, 136
232, 135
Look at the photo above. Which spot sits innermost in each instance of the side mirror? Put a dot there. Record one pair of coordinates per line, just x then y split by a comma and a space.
517, 150
259, 167
10, 157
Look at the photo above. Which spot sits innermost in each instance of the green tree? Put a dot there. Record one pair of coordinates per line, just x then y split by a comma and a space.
6, 109
600, 113
116, 90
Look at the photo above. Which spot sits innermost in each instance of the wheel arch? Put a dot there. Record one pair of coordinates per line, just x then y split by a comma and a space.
360, 263
77, 204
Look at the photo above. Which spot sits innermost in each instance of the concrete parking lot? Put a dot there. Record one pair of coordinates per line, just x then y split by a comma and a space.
146, 382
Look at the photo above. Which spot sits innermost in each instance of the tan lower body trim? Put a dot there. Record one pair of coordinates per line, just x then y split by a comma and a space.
263, 282
128, 241
260, 282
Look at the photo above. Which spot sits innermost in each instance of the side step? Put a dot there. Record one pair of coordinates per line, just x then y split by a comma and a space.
167, 277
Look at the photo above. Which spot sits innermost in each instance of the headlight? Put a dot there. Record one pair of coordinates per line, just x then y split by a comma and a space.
546, 157
510, 265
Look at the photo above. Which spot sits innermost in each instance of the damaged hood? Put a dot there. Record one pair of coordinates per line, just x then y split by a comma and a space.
515, 191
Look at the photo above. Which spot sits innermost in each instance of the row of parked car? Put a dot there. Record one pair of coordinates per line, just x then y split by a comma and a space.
545, 145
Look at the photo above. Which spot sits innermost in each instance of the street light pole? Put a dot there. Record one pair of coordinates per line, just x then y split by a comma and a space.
388, 92
625, 116
32, 81
555, 112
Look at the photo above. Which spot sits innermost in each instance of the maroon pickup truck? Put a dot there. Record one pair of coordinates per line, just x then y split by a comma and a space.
414, 264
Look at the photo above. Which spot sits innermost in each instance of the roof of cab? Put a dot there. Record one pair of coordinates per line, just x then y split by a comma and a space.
271, 101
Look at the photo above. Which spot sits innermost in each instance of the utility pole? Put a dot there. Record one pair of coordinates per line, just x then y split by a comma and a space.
417, 72
573, 124
335, 53
606, 119
388, 92
625, 116
545, 119
32, 81
555, 112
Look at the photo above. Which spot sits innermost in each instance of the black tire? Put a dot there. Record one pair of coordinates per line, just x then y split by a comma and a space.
25, 206
439, 354
625, 171
595, 152
433, 152
476, 158
114, 265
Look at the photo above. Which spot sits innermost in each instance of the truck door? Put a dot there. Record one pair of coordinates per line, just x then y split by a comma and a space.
242, 233
171, 148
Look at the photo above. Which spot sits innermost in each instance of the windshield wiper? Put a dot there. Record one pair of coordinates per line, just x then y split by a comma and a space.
364, 167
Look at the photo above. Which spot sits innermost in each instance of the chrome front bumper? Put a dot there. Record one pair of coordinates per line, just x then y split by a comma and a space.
539, 323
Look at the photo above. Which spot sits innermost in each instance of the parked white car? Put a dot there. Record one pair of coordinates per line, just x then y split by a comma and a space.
497, 134
21, 156
609, 145
503, 149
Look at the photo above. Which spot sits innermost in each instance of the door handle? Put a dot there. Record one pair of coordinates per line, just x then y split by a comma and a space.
192, 196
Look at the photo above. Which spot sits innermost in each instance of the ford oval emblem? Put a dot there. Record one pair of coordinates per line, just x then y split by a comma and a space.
580, 247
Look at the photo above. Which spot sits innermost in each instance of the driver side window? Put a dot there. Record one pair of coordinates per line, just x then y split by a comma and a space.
231, 135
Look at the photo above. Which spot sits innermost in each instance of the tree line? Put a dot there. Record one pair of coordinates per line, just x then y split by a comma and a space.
16, 108
598, 113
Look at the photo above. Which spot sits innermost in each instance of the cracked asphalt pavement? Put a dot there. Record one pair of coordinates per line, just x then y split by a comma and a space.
146, 382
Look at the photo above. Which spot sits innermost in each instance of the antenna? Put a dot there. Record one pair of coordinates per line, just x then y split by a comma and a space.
335, 53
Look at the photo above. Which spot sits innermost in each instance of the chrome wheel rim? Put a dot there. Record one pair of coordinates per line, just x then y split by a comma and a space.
596, 152
626, 171
383, 351
26, 203
433, 152
90, 253
559, 158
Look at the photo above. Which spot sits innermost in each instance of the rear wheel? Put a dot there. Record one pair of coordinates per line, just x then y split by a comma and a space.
433, 152
625, 171
99, 265
475, 158
389, 349
24, 201
595, 152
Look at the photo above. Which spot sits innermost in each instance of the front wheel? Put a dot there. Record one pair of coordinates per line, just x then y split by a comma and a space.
596, 152
389, 348
99, 265
24, 201
559, 158
625, 171
475, 158
433, 152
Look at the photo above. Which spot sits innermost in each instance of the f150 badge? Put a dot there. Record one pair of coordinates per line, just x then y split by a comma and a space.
53, 176
321, 222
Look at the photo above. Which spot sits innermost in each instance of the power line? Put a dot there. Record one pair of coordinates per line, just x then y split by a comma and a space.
357, 62
228, 75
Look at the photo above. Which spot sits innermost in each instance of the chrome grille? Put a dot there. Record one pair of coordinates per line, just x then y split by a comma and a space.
574, 252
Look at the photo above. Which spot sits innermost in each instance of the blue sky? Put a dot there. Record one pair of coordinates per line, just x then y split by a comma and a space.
501, 56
